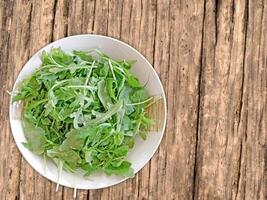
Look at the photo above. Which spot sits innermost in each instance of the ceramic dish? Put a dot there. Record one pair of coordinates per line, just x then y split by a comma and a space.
143, 149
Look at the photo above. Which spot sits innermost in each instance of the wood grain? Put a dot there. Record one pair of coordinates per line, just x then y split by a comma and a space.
211, 57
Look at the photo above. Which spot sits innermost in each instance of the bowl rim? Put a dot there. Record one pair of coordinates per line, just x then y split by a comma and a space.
15, 82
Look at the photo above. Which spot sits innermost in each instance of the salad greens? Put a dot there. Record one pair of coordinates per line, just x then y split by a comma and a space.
83, 111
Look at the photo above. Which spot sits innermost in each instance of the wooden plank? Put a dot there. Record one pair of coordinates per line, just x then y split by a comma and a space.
130, 22
14, 41
60, 26
251, 179
32, 184
230, 152
75, 16
182, 94
100, 24
221, 85
88, 16
114, 18
161, 62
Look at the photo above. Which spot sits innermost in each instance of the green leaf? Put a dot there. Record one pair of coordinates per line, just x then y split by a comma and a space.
69, 156
143, 134
103, 94
83, 55
89, 155
111, 87
125, 97
126, 123
118, 138
27, 88
36, 140
75, 139
139, 95
103, 72
129, 141
59, 57
132, 81
88, 168
105, 116
122, 151
123, 170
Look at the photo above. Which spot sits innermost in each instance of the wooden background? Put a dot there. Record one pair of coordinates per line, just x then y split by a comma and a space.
212, 59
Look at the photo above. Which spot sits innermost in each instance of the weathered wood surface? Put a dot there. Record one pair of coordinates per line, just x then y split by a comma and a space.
212, 59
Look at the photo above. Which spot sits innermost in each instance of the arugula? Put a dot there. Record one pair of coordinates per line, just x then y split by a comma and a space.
83, 110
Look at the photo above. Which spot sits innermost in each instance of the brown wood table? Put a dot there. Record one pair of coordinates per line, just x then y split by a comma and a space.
212, 59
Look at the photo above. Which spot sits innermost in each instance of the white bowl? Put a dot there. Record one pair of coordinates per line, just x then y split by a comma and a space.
142, 151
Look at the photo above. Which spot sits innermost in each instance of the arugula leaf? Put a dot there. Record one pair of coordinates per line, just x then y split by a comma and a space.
118, 138
103, 94
111, 88
139, 95
35, 136
75, 139
123, 170
83, 55
125, 97
132, 81
105, 116
70, 157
